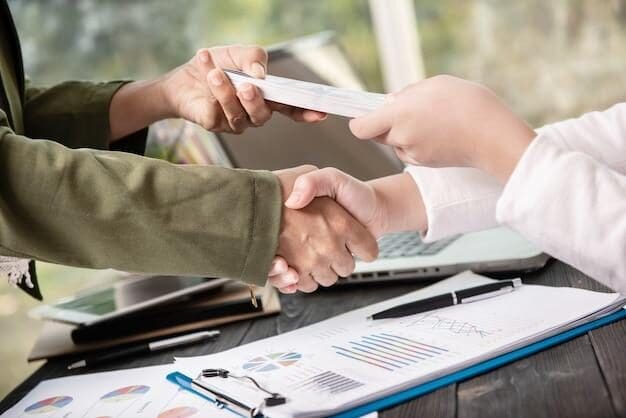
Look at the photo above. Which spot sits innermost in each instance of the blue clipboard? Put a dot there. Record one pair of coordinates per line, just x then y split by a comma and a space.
467, 373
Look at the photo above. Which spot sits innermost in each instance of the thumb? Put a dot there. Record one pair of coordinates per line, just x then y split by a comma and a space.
309, 186
374, 124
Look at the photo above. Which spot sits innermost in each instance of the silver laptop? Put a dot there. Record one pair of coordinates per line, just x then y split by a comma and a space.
282, 143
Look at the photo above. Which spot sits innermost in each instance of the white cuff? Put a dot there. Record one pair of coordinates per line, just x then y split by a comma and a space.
457, 200
518, 202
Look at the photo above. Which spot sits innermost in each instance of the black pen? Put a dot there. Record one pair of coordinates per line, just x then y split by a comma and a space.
471, 294
147, 348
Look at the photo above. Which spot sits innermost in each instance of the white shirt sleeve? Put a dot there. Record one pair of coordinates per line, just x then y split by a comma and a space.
601, 135
571, 206
457, 200
460, 200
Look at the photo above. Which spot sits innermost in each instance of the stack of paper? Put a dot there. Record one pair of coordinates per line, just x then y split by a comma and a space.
337, 364
347, 361
323, 98
126, 393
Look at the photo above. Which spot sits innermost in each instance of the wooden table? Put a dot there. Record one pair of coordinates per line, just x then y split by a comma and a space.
585, 377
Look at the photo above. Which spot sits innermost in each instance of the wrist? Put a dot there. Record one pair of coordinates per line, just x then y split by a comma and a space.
400, 204
136, 105
380, 224
163, 93
501, 158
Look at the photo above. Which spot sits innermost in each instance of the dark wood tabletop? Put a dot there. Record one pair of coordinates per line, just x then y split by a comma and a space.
584, 377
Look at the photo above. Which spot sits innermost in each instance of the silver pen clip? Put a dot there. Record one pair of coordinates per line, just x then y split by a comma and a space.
225, 401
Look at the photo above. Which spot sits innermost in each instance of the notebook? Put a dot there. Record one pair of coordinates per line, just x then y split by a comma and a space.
233, 298
55, 339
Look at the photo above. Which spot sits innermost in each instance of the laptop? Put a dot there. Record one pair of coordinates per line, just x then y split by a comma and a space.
282, 143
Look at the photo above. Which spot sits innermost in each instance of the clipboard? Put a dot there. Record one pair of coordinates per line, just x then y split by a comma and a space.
461, 375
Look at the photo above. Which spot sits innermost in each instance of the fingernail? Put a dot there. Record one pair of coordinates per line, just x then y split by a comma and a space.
204, 56
216, 78
258, 70
293, 199
247, 92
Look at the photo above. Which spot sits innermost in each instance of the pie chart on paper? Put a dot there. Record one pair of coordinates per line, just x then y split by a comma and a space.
273, 361
125, 393
178, 412
48, 405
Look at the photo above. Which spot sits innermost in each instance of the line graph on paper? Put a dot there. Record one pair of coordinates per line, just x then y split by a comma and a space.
441, 323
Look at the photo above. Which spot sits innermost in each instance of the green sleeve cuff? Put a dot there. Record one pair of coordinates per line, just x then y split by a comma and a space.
265, 227
74, 113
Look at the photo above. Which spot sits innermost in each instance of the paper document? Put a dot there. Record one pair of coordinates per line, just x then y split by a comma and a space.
135, 393
333, 365
346, 361
320, 97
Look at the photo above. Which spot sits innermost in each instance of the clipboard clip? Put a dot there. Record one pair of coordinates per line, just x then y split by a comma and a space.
201, 388
274, 398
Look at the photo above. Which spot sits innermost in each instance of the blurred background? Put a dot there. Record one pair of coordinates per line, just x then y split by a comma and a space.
549, 60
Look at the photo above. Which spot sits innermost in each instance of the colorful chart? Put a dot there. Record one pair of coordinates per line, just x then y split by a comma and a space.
48, 405
388, 351
178, 412
126, 393
330, 382
272, 361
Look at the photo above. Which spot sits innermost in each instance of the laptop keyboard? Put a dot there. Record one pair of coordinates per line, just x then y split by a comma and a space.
409, 244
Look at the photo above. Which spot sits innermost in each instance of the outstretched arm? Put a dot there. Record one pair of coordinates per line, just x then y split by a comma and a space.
92, 115
200, 92
570, 203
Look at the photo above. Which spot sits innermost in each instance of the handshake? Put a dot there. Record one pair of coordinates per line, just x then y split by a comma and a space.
318, 236
328, 217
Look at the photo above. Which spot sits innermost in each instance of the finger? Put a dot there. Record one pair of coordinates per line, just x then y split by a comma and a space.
288, 176
204, 58
297, 114
324, 182
278, 266
289, 289
405, 157
373, 124
252, 101
344, 264
290, 277
325, 277
307, 284
250, 59
224, 92
362, 243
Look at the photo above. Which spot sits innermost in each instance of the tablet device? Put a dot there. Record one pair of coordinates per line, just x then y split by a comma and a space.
130, 295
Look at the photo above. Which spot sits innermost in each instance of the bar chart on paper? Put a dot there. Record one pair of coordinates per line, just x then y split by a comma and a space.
328, 382
388, 351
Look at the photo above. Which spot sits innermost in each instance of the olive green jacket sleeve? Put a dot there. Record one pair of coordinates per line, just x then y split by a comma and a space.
104, 209
73, 113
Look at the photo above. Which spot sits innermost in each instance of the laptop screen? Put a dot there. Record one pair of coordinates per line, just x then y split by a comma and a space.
282, 143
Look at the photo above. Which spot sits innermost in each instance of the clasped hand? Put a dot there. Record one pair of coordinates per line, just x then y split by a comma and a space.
318, 238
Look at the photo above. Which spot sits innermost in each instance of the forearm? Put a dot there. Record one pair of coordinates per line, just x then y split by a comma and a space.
601, 135
572, 207
136, 105
401, 203
103, 209
73, 113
